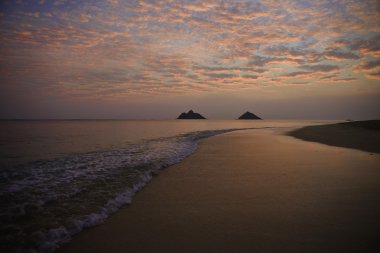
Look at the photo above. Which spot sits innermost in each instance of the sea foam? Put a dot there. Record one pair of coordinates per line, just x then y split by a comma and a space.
46, 202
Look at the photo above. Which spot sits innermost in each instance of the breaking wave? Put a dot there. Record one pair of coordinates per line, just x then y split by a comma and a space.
45, 202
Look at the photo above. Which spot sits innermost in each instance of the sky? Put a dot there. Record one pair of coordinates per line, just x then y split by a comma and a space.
280, 59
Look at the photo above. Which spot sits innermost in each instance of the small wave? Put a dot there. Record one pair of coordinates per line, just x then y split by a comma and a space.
46, 202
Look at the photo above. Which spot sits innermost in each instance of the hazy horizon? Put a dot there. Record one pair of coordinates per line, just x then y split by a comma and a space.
114, 59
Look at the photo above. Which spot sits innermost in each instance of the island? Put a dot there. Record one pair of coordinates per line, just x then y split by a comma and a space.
190, 115
249, 115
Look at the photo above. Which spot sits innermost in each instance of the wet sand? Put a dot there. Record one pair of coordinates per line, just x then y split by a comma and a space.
251, 191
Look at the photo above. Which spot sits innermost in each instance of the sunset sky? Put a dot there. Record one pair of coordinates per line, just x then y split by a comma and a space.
155, 59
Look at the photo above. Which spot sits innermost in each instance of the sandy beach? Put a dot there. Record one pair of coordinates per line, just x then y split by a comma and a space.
362, 135
251, 191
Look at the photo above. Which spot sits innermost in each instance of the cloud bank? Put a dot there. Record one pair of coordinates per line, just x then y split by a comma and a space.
113, 49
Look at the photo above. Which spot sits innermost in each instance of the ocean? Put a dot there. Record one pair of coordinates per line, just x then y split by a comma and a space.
58, 177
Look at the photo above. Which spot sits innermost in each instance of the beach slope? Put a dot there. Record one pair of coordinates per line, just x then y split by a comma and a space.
363, 135
251, 191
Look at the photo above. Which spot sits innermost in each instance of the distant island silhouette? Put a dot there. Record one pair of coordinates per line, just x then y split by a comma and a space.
190, 115
249, 115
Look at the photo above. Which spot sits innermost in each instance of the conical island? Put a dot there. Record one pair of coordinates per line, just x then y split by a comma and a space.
190, 115
249, 115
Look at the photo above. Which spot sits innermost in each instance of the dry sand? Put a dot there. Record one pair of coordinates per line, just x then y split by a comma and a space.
363, 135
251, 191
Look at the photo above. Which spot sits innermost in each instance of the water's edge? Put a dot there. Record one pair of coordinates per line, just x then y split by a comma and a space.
115, 177
126, 197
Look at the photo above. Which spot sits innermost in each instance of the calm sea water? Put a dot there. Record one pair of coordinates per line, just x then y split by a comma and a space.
59, 177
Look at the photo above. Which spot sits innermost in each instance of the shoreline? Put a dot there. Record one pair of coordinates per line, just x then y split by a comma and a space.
362, 135
250, 191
